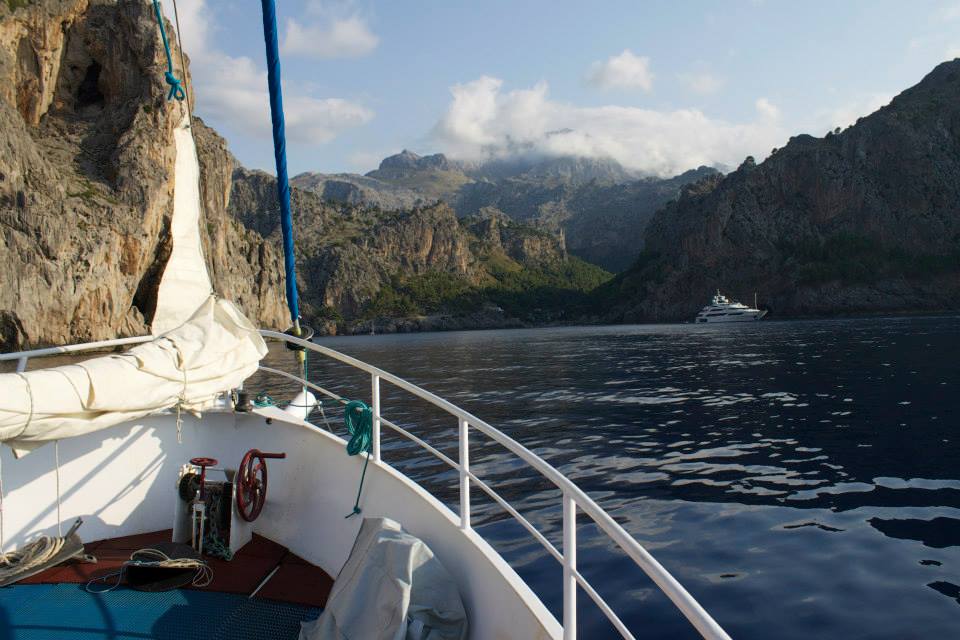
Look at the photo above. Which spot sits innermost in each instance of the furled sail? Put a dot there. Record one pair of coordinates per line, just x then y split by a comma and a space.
214, 351
185, 283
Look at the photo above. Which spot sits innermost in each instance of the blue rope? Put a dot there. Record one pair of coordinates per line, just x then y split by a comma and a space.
176, 88
280, 152
358, 418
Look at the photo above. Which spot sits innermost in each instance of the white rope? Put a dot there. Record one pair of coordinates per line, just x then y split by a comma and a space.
180, 401
56, 454
32, 555
158, 559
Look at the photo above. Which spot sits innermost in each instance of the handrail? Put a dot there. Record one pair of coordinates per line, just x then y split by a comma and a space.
574, 498
75, 348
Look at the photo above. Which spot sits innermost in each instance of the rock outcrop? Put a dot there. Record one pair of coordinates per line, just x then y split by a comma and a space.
863, 220
600, 207
349, 255
86, 178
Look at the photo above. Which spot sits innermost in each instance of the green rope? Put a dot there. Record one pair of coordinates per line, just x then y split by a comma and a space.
176, 88
358, 418
214, 546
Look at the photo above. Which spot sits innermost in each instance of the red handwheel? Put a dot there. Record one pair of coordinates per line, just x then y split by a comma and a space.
252, 483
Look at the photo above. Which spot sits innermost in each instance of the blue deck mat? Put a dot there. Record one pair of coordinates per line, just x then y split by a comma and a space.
49, 611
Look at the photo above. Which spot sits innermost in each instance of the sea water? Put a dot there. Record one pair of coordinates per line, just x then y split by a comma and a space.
801, 479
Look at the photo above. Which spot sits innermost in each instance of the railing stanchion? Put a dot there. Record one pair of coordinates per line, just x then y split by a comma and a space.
569, 567
375, 402
464, 471
22, 364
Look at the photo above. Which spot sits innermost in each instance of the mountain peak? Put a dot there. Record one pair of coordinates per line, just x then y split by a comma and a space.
407, 161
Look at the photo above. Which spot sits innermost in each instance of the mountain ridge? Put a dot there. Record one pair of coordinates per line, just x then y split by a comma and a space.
573, 196
866, 220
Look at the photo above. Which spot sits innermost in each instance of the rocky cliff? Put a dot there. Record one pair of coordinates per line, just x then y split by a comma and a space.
863, 220
603, 218
350, 256
86, 178
601, 208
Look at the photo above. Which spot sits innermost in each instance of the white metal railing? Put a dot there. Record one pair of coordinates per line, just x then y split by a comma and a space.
23, 356
574, 500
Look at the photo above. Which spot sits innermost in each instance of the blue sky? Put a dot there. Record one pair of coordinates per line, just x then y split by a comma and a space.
660, 86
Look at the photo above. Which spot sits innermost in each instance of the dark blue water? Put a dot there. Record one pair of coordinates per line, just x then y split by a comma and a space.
801, 479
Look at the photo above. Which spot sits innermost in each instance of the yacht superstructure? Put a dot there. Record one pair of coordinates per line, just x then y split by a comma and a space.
722, 309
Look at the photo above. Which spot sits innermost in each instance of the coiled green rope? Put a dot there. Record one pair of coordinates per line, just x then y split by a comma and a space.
358, 418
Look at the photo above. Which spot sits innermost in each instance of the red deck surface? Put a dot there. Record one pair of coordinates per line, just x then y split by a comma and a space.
296, 580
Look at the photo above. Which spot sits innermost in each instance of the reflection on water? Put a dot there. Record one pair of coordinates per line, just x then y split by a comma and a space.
800, 478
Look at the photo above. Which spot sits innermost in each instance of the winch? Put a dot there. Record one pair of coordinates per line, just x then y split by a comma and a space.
215, 506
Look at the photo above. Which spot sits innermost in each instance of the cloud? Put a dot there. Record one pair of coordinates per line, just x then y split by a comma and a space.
952, 52
348, 37
950, 11
624, 71
702, 83
767, 109
232, 90
484, 121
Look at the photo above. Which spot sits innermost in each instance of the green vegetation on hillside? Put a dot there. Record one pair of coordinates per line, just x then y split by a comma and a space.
531, 293
858, 259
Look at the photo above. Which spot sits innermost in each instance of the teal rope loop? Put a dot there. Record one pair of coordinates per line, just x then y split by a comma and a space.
176, 86
358, 418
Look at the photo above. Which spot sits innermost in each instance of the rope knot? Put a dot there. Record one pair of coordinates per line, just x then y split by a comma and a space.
176, 87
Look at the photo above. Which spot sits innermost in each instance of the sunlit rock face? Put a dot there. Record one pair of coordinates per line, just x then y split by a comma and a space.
86, 179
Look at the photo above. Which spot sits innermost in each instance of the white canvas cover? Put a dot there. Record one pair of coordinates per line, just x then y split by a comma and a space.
392, 587
185, 283
213, 351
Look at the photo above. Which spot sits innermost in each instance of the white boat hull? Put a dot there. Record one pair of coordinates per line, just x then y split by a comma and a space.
746, 316
106, 481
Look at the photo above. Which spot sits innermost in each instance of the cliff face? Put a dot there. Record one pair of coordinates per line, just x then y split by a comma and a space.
600, 207
86, 178
603, 218
865, 220
348, 255
345, 252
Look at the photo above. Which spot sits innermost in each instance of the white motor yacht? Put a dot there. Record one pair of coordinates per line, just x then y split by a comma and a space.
722, 309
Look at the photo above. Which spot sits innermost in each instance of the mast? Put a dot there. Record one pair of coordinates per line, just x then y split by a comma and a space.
280, 156
283, 183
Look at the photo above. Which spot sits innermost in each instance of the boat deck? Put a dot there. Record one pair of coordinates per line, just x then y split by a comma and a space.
54, 603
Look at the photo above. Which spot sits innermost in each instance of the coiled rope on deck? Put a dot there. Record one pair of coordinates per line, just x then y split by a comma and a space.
155, 558
33, 555
358, 418
23, 561
176, 87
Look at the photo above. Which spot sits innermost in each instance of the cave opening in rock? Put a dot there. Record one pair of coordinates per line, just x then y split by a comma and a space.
88, 94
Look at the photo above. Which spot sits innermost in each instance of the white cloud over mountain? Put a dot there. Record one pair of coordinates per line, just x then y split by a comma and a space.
347, 37
624, 71
483, 120
232, 90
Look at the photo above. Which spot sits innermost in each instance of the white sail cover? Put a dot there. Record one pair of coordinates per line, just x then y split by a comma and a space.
185, 283
213, 351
